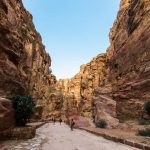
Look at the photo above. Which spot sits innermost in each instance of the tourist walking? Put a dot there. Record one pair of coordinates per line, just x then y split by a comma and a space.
60, 120
54, 120
72, 124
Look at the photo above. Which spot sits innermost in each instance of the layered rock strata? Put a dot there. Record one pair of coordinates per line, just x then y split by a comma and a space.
128, 57
91, 93
123, 74
24, 63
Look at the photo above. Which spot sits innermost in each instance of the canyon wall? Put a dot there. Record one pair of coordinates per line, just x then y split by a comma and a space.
115, 82
24, 63
90, 77
128, 57
118, 82
89, 93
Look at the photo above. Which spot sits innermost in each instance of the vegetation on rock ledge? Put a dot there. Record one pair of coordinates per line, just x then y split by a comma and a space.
144, 132
101, 124
147, 107
24, 106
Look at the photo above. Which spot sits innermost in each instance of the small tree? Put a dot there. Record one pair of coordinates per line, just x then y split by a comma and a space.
101, 123
23, 106
147, 107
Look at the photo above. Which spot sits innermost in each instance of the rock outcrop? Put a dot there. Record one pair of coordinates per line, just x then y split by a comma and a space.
81, 86
7, 114
121, 78
89, 94
116, 81
128, 57
24, 63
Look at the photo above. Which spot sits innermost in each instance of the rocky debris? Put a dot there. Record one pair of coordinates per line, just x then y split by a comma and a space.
128, 57
7, 114
24, 63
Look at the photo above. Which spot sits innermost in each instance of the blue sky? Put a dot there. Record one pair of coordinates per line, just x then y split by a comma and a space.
73, 31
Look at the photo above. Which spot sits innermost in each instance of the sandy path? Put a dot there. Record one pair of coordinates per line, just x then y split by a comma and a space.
61, 138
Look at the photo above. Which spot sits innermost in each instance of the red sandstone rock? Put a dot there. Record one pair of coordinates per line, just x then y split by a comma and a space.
7, 119
128, 57
24, 62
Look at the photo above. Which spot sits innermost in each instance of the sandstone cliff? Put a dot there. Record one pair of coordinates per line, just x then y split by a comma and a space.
119, 81
128, 57
24, 63
81, 86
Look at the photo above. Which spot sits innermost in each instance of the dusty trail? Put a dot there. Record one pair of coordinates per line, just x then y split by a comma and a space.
60, 137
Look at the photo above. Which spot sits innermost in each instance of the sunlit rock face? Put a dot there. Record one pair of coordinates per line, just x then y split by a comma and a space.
128, 57
24, 63
123, 75
82, 85
89, 93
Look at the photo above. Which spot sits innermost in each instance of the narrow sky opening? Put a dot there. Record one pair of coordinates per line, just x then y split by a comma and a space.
73, 31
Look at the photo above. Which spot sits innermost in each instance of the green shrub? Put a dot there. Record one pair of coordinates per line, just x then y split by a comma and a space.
123, 119
147, 107
143, 122
144, 132
101, 124
23, 106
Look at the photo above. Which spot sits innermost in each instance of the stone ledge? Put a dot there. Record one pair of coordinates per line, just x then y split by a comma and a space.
36, 124
18, 133
119, 140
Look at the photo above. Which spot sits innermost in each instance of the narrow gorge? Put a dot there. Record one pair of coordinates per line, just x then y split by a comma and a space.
113, 84
116, 83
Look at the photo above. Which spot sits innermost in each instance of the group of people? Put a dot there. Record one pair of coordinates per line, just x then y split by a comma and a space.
54, 120
71, 122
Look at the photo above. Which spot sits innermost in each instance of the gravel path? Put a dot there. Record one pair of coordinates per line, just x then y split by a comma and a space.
60, 137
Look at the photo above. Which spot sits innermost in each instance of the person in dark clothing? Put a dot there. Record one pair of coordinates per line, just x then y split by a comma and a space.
54, 120
72, 124
60, 120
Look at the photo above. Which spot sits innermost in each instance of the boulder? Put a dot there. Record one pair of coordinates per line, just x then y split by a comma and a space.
7, 119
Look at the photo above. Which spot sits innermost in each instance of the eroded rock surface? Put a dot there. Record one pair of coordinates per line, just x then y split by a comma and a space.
7, 114
81, 86
24, 63
79, 97
128, 57
121, 78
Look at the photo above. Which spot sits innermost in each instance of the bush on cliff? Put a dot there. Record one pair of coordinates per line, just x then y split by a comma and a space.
143, 122
101, 124
147, 107
145, 132
24, 106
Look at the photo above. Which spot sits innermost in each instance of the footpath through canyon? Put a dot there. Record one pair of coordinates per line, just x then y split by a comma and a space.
112, 87
58, 137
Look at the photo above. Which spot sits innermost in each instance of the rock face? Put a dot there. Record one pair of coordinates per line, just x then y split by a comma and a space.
128, 57
104, 108
79, 97
120, 80
81, 86
24, 63
7, 114
116, 81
